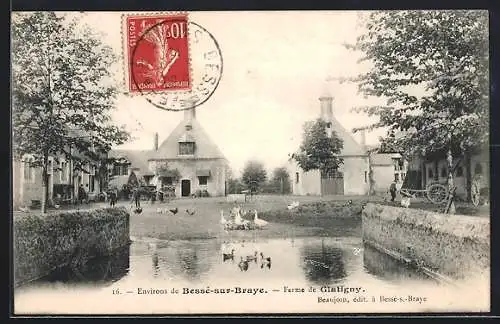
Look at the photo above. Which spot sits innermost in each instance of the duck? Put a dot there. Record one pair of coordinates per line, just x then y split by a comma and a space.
252, 257
228, 256
265, 261
190, 212
349, 202
243, 265
259, 222
405, 202
293, 205
174, 211
159, 210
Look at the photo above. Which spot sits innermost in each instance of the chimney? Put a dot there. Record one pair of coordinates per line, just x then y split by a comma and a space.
190, 109
155, 143
326, 100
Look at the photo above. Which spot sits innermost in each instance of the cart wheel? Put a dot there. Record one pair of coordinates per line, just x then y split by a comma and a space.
475, 193
437, 193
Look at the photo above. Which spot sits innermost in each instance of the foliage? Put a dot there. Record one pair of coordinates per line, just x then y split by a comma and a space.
62, 91
279, 182
42, 243
318, 150
164, 169
201, 193
234, 186
432, 69
254, 175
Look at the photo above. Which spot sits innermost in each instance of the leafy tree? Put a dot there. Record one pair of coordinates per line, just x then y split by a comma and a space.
62, 92
445, 55
319, 150
254, 175
280, 180
234, 186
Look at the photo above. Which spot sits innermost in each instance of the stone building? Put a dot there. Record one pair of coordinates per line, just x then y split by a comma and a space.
63, 180
352, 176
187, 160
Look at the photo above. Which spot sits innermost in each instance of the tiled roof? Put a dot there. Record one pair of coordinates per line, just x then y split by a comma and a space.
137, 158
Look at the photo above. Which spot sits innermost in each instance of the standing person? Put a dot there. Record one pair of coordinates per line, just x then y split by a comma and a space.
112, 198
392, 190
137, 197
81, 194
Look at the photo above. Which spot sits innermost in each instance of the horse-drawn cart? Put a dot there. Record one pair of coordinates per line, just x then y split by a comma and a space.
439, 193
436, 193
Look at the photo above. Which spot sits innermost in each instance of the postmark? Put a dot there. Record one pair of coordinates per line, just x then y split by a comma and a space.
173, 63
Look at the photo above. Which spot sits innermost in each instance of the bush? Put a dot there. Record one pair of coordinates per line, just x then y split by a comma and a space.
201, 193
44, 243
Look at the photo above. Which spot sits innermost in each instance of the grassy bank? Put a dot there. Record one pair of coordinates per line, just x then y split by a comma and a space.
68, 238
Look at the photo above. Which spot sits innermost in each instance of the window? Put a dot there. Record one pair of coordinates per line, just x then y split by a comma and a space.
91, 183
124, 169
186, 148
296, 177
430, 174
396, 177
478, 169
203, 180
366, 176
168, 181
64, 171
460, 172
397, 164
28, 170
444, 172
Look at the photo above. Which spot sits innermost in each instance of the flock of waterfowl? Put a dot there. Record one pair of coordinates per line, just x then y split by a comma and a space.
246, 257
237, 222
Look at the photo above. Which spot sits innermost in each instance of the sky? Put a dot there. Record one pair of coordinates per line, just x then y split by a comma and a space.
276, 65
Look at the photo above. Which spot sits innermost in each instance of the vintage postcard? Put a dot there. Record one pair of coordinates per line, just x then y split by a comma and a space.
250, 162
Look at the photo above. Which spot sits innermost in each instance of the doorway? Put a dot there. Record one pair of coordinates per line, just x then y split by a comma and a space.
185, 188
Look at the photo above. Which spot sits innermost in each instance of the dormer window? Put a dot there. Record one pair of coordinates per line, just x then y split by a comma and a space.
188, 127
186, 148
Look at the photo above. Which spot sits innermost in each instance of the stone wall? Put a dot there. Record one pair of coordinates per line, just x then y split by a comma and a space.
69, 238
455, 246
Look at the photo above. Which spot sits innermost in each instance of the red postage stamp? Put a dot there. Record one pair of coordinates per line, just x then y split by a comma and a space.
157, 53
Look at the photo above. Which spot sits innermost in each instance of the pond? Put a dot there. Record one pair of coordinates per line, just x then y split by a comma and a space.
301, 274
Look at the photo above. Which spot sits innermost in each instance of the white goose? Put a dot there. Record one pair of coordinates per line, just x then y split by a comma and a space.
293, 205
259, 222
238, 220
223, 221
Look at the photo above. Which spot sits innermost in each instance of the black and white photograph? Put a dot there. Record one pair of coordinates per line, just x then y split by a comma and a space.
250, 162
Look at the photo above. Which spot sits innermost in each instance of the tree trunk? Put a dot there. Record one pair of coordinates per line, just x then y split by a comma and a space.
451, 185
45, 187
468, 175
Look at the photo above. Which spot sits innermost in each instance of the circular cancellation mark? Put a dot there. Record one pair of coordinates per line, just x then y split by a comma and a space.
203, 69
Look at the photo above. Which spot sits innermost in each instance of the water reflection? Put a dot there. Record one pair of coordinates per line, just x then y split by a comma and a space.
322, 263
311, 260
385, 267
100, 270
